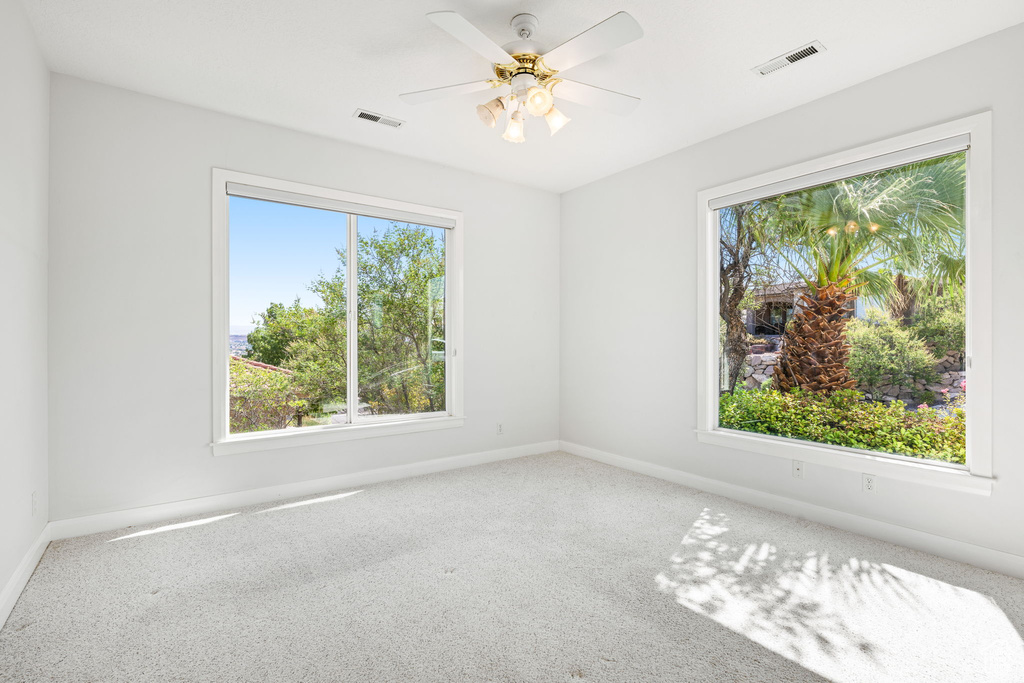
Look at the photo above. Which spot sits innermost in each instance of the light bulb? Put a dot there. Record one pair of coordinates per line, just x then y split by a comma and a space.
874, 227
490, 113
851, 226
514, 131
832, 231
556, 120
539, 101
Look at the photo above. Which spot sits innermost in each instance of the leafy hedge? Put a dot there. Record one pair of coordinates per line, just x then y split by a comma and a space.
846, 419
261, 399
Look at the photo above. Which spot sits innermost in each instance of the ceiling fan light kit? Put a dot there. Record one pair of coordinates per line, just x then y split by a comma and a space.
531, 81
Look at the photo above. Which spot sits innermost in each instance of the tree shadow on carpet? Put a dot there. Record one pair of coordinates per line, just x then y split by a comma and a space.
803, 595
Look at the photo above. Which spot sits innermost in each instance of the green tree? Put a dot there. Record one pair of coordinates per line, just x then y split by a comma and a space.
401, 285
400, 275
277, 328
746, 260
319, 354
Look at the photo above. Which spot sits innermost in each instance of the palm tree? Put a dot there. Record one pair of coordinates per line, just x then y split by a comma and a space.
846, 239
943, 269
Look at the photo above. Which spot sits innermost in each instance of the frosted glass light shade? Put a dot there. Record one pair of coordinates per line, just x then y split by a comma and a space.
490, 113
539, 101
514, 131
556, 120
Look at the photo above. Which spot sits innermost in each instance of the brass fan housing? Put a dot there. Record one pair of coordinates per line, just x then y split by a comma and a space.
526, 63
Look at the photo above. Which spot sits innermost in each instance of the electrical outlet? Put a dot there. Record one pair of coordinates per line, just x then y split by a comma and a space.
868, 483
501, 429
33, 503
798, 469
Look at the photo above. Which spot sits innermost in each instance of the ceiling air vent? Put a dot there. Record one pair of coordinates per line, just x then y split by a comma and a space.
793, 57
378, 118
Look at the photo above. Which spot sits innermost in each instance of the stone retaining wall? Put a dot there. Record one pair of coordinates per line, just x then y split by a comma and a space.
760, 367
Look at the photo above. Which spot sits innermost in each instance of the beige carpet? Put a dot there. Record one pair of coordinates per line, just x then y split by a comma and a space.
547, 568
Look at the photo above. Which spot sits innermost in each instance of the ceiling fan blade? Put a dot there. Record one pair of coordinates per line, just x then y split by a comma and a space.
614, 32
462, 30
421, 96
592, 96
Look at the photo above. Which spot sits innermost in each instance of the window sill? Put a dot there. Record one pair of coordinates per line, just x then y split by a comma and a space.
264, 441
947, 476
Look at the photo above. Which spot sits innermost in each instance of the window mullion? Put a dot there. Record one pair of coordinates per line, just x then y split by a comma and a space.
352, 321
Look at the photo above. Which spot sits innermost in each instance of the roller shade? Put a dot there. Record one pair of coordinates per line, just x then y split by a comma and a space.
931, 150
283, 197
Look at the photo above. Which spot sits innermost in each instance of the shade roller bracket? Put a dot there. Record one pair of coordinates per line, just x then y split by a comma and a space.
339, 205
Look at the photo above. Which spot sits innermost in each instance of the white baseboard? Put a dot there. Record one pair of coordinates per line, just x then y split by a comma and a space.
82, 526
968, 553
12, 591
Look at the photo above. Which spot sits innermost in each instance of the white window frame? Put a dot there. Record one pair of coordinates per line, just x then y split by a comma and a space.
223, 442
977, 475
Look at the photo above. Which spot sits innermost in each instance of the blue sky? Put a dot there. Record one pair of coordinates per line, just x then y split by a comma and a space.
276, 251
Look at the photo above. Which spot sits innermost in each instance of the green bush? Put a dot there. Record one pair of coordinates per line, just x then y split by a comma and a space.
883, 352
942, 321
261, 399
846, 419
925, 397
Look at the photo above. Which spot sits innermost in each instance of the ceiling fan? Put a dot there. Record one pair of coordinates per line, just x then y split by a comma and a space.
533, 77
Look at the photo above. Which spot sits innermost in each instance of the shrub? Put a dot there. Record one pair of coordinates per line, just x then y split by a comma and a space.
941, 321
925, 396
846, 419
883, 352
261, 399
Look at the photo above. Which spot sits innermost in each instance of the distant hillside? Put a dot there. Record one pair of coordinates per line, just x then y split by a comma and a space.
239, 344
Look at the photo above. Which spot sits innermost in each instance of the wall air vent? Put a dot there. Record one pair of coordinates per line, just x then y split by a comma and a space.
792, 57
378, 118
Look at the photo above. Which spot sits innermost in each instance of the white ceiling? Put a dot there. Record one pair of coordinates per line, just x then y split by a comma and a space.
308, 64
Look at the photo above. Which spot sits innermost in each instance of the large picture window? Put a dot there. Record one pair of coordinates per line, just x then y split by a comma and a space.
338, 315
843, 300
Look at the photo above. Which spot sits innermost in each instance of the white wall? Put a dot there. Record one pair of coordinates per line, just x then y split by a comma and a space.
628, 306
24, 83
130, 300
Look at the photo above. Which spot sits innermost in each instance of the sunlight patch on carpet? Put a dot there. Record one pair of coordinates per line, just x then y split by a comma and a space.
844, 617
311, 501
173, 527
